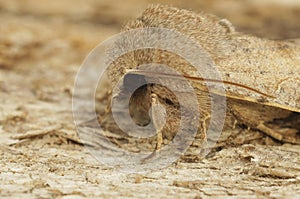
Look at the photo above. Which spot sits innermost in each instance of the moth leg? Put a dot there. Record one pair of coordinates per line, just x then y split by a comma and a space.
159, 141
276, 135
158, 116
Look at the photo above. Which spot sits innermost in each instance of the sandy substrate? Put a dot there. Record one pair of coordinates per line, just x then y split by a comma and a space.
42, 45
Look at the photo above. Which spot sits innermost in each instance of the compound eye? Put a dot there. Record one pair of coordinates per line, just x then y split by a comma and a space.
133, 82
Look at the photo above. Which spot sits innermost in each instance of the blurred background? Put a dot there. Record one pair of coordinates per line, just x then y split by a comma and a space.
82, 24
276, 17
94, 20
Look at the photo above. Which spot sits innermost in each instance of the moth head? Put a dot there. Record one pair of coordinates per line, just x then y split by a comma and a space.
140, 101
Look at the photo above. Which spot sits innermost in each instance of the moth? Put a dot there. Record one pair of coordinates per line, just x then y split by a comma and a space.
262, 79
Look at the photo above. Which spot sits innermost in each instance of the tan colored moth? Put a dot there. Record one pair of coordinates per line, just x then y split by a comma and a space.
262, 77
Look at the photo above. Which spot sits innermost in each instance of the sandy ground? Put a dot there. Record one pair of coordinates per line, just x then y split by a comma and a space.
43, 43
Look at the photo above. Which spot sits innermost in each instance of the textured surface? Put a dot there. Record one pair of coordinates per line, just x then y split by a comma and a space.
41, 48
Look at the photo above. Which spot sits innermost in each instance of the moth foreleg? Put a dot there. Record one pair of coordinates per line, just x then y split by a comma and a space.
158, 116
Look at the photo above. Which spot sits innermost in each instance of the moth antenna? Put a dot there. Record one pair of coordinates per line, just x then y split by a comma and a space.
143, 72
